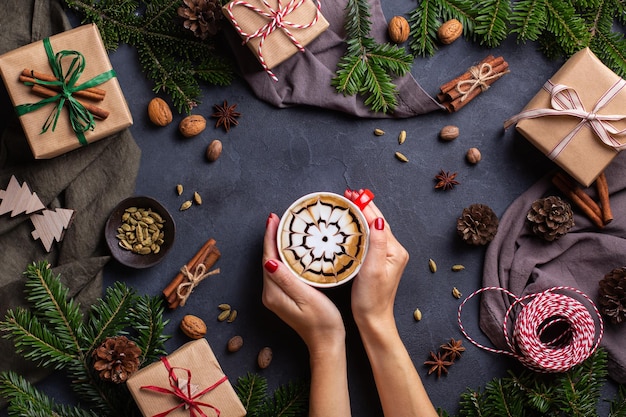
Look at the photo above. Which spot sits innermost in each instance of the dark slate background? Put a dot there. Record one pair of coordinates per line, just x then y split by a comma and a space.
276, 155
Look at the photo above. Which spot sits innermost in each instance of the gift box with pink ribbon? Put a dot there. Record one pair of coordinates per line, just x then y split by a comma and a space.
65, 91
578, 118
188, 382
275, 30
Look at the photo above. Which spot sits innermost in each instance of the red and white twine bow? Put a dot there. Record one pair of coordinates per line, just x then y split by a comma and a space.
566, 102
276, 20
186, 395
552, 332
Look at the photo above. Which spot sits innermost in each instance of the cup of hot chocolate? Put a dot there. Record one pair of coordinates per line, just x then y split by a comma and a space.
323, 239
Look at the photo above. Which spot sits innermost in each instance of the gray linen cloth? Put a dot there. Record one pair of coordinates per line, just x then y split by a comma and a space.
524, 264
305, 78
90, 180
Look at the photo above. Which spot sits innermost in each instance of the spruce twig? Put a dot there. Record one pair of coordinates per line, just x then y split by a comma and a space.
289, 400
561, 27
366, 69
172, 59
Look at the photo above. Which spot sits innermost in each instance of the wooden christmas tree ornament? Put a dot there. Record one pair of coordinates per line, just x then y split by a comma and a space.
50, 225
19, 199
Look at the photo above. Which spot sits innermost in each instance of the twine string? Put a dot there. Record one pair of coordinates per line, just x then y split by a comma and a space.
183, 291
480, 75
551, 331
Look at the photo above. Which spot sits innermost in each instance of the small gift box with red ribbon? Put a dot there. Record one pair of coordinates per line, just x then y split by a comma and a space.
275, 30
65, 91
188, 382
578, 119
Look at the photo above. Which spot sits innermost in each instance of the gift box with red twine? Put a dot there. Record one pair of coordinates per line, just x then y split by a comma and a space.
188, 382
275, 30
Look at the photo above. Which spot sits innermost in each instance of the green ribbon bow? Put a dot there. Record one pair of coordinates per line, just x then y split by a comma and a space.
80, 118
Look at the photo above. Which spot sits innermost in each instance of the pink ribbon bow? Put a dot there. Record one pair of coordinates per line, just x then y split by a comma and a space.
566, 102
186, 396
276, 21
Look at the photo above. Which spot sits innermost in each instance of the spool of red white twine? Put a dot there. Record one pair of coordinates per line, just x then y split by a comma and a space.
551, 331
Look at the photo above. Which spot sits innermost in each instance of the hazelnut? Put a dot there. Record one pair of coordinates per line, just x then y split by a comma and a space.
192, 125
159, 112
194, 327
398, 29
264, 358
450, 31
449, 132
473, 155
235, 343
214, 150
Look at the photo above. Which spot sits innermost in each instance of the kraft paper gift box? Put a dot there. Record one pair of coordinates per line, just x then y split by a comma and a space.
577, 116
192, 365
85, 40
248, 17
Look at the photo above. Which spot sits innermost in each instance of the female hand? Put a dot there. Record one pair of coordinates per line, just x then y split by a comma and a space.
374, 288
306, 309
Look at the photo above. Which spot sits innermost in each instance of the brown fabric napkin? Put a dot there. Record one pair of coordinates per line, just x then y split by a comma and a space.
90, 180
305, 78
524, 264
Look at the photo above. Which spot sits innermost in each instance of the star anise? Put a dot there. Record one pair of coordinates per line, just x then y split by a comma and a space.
446, 180
453, 349
226, 115
438, 363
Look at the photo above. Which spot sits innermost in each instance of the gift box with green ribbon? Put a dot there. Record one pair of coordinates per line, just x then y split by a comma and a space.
65, 91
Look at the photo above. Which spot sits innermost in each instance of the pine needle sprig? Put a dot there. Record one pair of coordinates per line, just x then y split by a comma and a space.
424, 21
51, 333
172, 59
288, 400
492, 23
618, 406
367, 67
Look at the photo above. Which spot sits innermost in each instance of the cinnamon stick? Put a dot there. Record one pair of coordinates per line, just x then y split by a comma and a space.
603, 195
95, 91
450, 85
501, 68
80, 93
208, 254
575, 194
96, 111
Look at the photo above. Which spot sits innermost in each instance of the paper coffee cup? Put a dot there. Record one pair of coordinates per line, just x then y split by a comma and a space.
323, 239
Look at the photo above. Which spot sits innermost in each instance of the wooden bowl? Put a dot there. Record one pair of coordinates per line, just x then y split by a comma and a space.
128, 257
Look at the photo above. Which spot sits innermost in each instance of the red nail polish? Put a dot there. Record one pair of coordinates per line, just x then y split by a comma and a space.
379, 223
271, 266
268, 220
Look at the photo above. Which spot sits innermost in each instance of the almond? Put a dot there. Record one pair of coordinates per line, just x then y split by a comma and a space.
193, 326
450, 31
159, 112
192, 125
398, 29
214, 150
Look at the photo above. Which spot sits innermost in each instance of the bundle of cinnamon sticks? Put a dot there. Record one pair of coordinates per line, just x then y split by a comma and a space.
46, 90
456, 93
177, 289
599, 214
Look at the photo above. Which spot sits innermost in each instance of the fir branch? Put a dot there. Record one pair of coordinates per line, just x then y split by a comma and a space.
367, 67
290, 400
423, 21
618, 405
251, 390
492, 21
147, 315
174, 61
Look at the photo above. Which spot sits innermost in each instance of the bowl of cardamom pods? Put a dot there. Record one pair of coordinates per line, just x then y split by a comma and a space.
139, 232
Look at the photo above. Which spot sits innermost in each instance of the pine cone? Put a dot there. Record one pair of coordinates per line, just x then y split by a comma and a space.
477, 225
116, 358
202, 17
612, 295
550, 217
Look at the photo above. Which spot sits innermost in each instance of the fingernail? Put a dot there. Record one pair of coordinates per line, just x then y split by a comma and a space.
268, 219
364, 198
271, 266
379, 223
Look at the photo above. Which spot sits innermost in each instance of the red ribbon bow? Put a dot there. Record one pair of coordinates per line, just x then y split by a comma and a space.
186, 396
276, 21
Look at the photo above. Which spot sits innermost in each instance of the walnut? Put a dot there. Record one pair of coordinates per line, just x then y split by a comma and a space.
398, 29
159, 112
450, 31
193, 326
